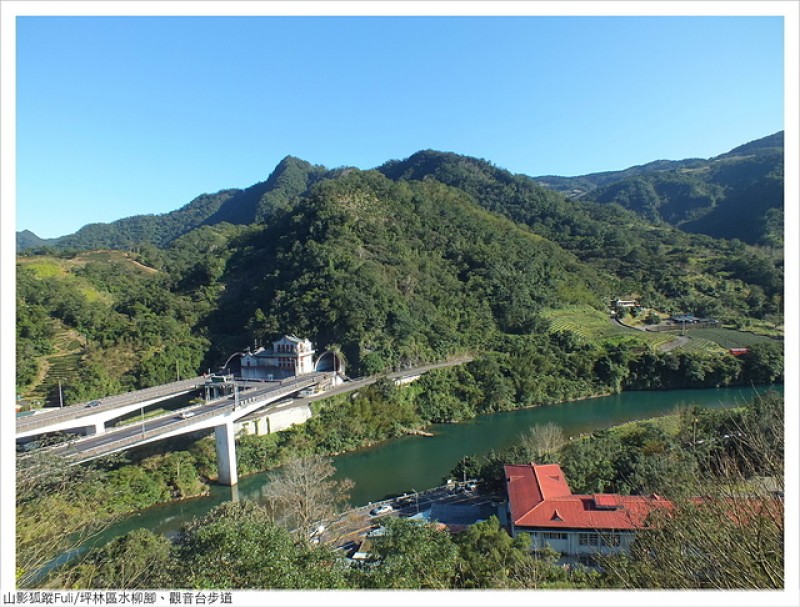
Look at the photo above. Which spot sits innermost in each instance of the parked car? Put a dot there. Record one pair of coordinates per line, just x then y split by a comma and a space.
382, 509
349, 548
405, 500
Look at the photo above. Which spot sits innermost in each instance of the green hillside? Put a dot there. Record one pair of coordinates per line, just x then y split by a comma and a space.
735, 195
290, 179
427, 257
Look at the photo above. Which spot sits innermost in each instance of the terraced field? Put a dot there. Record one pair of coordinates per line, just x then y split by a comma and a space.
58, 366
729, 338
698, 344
595, 326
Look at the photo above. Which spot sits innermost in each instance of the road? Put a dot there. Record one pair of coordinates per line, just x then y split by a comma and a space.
362, 382
151, 428
47, 417
356, 524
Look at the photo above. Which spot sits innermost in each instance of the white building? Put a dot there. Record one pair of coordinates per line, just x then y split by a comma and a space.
288, 357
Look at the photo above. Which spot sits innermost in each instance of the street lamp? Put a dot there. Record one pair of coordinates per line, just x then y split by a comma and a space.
416, 498
142, 421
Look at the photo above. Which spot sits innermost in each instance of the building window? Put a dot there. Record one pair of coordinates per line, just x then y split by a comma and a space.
611, 539
588, 539
551, 535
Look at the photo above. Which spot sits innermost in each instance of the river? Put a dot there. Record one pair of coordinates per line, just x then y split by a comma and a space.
420, 462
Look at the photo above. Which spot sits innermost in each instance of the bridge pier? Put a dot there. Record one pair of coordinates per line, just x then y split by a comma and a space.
99, 428
226, 454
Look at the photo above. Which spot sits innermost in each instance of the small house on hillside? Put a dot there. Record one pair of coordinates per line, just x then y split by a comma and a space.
288, 356
541, 504
691, 319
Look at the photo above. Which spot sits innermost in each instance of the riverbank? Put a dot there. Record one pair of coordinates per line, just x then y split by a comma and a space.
412, 463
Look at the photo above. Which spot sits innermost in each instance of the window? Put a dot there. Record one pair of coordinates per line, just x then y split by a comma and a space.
588, 539
611, 539
550, 535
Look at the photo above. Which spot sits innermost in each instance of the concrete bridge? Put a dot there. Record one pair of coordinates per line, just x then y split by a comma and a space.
94, 415
219, 414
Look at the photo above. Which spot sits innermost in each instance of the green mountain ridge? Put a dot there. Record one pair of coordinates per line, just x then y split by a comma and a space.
676, 192
425, 258
738, 194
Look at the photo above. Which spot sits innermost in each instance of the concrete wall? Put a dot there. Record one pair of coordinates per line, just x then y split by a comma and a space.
280, 420
275, 421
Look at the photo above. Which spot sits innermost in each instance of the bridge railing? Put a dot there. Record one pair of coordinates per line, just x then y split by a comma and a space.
127, 441
113, 402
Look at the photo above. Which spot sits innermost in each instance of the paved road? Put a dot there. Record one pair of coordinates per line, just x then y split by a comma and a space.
51, 416
164, 423
362, 382
679, 341
356, 524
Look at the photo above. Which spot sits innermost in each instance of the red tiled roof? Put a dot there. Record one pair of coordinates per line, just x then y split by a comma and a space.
607, 500
540, 497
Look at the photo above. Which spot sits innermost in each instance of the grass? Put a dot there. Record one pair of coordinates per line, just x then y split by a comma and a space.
44, 267
596, 326
729, 338
698, 344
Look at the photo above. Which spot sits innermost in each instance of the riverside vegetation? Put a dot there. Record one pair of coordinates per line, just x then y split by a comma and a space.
721, 455
433, 256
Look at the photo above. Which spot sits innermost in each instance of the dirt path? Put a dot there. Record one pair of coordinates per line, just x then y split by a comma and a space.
679, 341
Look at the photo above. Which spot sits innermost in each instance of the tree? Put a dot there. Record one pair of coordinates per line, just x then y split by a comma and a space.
139, 559
304, 495
732, 535
237, 545
543, 439
54, 513
763, 364
724, 541
411, 555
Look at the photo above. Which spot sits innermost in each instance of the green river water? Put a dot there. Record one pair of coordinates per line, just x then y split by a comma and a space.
419, 462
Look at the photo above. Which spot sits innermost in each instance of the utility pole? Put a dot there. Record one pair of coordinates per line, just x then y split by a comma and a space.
60, 395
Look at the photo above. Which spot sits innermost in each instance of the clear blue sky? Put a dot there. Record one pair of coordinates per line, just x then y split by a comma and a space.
118, 116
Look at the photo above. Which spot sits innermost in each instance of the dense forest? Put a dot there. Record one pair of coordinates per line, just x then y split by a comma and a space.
735, 195
424, 258
419, 260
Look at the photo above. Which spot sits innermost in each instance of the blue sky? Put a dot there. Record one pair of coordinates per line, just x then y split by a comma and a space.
118, 116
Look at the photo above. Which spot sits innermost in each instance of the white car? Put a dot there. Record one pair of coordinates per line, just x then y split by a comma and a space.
187, 414
381, 510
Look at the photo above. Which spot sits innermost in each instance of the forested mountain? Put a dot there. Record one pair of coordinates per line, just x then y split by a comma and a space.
423, 258
291, 178
735, 195
28, 240
395, 273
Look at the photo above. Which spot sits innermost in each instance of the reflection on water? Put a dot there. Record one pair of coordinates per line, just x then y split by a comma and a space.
417, 462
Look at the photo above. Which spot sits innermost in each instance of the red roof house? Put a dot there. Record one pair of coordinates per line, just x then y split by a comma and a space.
542, 505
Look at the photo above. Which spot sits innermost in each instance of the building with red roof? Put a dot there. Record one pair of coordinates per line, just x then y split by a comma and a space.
541, 504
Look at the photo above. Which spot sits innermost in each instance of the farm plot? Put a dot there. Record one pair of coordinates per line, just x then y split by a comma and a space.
595, 326
698, 344
729, 338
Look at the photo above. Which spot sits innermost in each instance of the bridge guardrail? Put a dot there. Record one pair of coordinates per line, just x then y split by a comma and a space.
75, 411
121, 443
